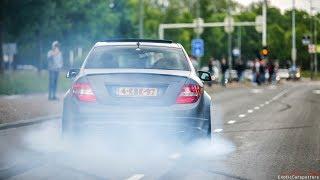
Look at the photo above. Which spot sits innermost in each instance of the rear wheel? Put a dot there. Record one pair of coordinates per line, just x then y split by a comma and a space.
208, 116
66, 125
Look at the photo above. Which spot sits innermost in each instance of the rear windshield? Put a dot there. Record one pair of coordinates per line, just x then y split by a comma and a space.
137, 58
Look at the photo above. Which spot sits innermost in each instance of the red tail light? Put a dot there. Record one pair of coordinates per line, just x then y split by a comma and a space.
190, 93
83, 92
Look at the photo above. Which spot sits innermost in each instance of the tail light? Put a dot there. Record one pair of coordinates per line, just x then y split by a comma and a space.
190, 93
83, 92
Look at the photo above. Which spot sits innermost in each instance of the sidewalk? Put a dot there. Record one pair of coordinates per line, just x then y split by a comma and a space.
22, 107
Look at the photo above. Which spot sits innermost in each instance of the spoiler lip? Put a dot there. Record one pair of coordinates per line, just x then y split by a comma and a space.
91, 72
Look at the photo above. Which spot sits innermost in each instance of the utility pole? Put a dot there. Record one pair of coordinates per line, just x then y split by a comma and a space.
1, 52
294, 49
264, 24
198, 15
312, 39
315, 42
141, 14
239, 41
229, 41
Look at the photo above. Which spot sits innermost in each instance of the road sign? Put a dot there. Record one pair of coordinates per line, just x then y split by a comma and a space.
228, 24
312, 48
197, 47
259, 22
318, 48
236, 52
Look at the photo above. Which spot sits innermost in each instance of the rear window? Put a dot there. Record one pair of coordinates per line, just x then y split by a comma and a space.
132, 57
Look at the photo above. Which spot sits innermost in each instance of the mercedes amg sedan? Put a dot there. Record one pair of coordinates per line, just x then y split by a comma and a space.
133, 86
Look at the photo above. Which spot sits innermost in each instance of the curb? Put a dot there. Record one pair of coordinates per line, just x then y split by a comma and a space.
28, 122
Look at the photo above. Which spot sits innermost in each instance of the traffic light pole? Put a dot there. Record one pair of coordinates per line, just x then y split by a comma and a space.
294, 49
141, 14
264, 23
315, 55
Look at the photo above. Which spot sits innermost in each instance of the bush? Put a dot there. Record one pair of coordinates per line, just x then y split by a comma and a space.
29, 81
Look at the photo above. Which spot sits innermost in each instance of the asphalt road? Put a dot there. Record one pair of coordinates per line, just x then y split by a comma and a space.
259, 133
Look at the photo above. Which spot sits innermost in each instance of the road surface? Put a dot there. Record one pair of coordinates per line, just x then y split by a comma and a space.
259, 133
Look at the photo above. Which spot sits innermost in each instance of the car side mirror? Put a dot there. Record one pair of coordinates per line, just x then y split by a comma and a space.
204, 76
72, 73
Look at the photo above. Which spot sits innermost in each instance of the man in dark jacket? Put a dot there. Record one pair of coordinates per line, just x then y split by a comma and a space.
224, 67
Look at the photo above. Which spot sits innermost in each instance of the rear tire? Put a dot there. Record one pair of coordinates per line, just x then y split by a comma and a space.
66, 125
209, 116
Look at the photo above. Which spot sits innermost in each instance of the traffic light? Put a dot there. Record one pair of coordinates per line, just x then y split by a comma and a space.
264, 51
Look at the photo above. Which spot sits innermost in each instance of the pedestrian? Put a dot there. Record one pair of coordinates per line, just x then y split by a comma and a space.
55, 63
272, 72
240, 68
210, 69
262, 71
224, 67
255, 72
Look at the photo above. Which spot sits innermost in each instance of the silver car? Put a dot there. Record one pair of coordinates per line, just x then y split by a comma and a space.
129, 86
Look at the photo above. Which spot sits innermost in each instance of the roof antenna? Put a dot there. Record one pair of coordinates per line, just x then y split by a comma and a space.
138, 46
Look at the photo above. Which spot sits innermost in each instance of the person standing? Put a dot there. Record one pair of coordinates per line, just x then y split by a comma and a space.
55, 63
210, 69
224, 68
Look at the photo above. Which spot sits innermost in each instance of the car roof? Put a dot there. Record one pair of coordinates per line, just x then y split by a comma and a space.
142, 42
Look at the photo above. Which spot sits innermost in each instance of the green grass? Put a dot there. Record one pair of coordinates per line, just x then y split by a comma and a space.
307, 74
28, 82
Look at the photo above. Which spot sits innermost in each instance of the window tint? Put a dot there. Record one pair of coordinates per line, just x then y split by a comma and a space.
137, 58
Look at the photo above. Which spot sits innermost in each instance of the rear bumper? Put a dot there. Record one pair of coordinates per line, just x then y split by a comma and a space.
116, 121
125, 128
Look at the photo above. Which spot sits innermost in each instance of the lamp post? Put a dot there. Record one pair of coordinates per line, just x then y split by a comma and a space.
141, 14
294, 49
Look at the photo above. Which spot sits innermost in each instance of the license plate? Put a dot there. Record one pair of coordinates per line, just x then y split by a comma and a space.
136, 92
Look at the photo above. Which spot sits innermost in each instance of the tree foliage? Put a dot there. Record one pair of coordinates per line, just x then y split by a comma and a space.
34, 24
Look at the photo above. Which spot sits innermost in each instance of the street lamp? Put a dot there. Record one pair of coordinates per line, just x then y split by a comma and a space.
294, 49
141, 13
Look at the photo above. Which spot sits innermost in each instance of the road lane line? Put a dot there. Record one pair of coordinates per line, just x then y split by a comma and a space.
136, 177
242, 115
231, 122
257, 107
250, 111
261, 105
316, 91
280, 94
218, 130
267, 102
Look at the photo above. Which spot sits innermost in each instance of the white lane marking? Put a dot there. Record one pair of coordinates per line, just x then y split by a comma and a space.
218, 130
316, 91
231, 122
257, 107
280, 94
136, 177
272, 87
242, 115
261, 105
175, 156
267, 102
250, 111
256, 91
